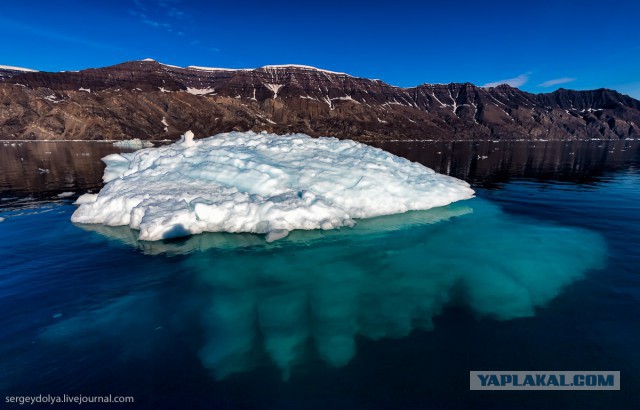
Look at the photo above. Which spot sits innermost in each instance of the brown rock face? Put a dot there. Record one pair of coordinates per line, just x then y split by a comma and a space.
149, 100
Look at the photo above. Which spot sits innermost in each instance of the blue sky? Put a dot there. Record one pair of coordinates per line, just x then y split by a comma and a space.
537, 46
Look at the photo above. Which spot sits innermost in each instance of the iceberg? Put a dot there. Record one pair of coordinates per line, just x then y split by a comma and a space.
65, 194
135, 143
260, 183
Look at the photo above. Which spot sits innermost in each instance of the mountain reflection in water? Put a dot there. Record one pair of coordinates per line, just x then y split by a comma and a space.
46, 169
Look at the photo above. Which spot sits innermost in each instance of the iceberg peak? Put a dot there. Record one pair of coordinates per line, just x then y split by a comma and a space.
186, 139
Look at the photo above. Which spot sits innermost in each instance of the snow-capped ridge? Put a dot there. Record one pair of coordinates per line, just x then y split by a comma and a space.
265, 67
151, 60
13, 68
195, 67
304, 67
268, 67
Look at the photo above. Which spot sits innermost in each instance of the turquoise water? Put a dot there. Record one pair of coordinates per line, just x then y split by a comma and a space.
539, 272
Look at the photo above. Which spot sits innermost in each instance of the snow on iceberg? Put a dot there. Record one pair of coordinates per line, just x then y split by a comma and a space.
260, 183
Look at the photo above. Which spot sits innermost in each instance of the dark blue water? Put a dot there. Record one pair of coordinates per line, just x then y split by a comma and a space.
539, 272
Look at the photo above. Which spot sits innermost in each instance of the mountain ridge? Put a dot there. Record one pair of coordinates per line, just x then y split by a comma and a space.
150, 100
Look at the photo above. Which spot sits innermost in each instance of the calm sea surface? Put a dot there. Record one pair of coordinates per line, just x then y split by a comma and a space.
541, 271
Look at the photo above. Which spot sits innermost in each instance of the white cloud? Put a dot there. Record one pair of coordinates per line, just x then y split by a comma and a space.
513, 82
156, 24
556, 81
159, 17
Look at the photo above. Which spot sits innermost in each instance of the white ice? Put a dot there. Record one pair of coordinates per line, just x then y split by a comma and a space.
260, 183
135, 143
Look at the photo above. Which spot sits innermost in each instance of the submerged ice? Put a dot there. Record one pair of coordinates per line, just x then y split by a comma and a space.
260, 183
314, 294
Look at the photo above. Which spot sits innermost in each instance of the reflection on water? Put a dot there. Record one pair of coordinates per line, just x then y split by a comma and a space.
46, 169
315, 293
485, 163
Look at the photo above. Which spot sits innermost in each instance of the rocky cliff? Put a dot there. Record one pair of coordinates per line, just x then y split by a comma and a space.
150, 100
